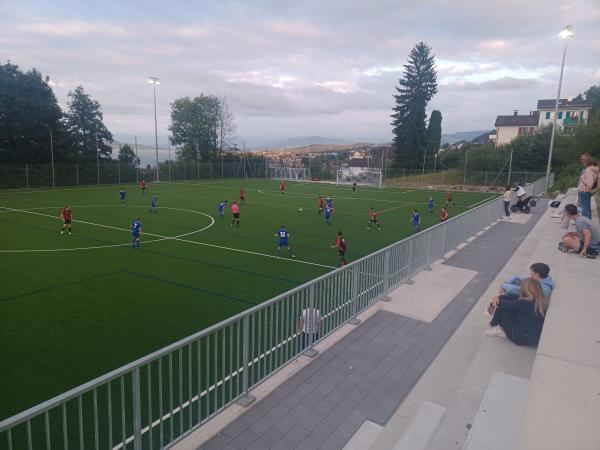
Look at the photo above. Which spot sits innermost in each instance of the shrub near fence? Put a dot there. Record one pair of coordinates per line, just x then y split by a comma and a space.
158, 399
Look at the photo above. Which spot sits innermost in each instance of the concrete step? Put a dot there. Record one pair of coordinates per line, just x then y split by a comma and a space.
421, 427
497, 423
364, 436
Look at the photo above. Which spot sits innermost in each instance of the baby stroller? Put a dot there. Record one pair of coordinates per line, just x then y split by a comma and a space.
525, 204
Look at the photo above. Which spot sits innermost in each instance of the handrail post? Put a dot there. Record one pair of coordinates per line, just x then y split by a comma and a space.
354, 320
310, 351
428, 267
137, 410
246, 399
410, 262
386, 276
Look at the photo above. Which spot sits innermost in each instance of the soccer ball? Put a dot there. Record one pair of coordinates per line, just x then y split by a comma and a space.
299, 209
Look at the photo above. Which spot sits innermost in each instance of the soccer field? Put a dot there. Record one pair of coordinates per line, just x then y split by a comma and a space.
75, 307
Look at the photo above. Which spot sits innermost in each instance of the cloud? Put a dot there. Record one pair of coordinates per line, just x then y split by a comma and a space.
309, 66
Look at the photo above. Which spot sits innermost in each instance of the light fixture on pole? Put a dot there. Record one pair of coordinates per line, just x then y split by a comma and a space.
154, 81
566, 34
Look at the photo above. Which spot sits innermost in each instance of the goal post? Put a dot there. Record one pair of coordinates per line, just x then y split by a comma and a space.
364, 177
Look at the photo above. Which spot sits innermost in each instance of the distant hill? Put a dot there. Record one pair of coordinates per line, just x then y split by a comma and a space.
300, 141
461, 136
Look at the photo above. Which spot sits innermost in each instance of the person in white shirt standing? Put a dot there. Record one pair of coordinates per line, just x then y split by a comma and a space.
506, 199
311, 326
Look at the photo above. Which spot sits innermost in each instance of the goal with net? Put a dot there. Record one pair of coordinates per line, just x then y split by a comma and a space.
364, 177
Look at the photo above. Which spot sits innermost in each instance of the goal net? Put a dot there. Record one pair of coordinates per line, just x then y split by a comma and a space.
364, 177
290, 173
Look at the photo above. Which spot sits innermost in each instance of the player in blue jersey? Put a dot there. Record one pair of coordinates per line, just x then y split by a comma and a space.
329, 202
416, 220
136, 232
222, 207
153, 204
283, 235
122, 194
328, 212
430, 204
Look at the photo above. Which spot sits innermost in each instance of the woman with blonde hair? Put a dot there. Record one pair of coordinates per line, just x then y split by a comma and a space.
520, 320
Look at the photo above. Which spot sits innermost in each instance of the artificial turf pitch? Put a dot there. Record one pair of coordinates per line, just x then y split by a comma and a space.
75, 307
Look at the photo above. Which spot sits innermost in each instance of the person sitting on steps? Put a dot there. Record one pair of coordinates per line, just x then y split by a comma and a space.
520, 320
585, 240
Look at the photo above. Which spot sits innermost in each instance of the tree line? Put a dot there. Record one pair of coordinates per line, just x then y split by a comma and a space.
34, 129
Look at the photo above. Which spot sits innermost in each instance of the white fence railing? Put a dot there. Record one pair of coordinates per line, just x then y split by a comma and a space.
158, 399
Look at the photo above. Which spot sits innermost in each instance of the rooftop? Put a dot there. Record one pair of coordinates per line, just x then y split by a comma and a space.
564, 103
515, 120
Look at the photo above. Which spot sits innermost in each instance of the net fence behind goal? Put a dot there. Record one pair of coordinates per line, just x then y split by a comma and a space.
364, 177
290, 173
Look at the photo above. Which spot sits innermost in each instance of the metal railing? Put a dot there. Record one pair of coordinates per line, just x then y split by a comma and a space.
157, 400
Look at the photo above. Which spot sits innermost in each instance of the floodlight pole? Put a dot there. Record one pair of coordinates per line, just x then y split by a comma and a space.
154, 81
97, 159
52, 155
566, 34
137, 163
465, 171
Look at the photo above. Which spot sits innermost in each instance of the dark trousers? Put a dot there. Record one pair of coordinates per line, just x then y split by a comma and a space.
306, 339
506, 209
506, 319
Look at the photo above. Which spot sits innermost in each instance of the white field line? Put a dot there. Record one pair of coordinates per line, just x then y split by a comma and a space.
162, 238
273, 193
237, 372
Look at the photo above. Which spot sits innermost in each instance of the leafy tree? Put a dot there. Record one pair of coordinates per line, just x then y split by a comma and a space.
226, 126
593, 94
88, 133
195, 126
417, 87
127, 156
28, 111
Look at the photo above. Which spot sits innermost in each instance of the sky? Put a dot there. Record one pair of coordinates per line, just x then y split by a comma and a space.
304, 68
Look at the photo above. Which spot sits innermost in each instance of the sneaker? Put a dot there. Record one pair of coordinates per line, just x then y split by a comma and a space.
562, 247
293, 256
62, 232
69, 233
496, 331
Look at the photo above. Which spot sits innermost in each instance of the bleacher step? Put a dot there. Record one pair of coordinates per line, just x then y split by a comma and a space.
364, 436
421, 427
497, 423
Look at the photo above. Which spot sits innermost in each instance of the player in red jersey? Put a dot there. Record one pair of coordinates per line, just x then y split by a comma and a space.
143, 186
373, 219
340, 244
242, 196
449, 198
444, 214
66, 215
282, 186
321, 204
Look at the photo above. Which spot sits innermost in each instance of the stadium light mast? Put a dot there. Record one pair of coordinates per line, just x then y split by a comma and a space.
154, 81
566, 34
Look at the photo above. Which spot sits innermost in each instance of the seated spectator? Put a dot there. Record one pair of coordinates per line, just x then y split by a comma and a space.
539, 272
520, 320
586, 240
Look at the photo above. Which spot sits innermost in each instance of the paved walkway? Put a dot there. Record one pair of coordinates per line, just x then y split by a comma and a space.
369, 372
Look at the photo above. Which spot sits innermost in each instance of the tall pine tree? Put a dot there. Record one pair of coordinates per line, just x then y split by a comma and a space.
86, 127
417, 87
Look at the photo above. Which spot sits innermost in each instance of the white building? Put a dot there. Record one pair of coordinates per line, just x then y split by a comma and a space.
509, 127
571, 113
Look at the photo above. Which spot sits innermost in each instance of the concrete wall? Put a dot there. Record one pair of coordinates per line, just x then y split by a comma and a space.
506, 134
